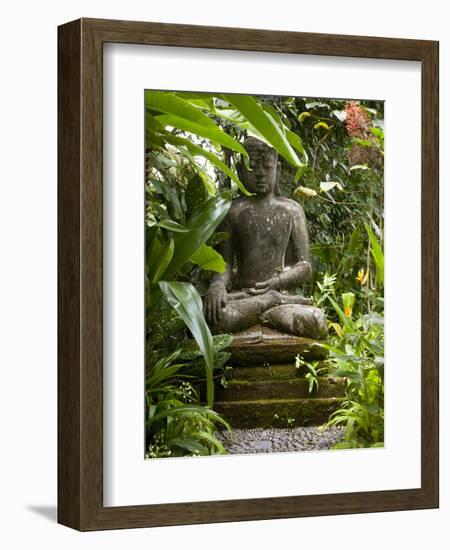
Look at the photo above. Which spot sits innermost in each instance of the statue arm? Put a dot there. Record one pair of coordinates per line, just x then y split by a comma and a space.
225, 249
215, 298
301, 270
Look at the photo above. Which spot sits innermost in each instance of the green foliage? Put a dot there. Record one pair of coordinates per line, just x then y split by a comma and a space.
200, 227
377, 253
265, 126
315, 371
196, 193
191, 350
175, 424
357, 353
208, 259
341, 190
187, 303
182, 114
331, 156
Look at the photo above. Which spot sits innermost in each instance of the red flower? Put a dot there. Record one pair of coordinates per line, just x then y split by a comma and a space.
357, 121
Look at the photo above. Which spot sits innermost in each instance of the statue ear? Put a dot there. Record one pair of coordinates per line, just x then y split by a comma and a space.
277, 190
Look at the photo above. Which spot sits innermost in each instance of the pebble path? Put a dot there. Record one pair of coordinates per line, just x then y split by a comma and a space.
279, 440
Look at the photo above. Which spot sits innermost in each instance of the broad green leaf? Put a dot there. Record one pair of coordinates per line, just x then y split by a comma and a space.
153, 253
291, 136
208, 259
236, 117
377, 252
337, 328
170, 225
232, 115
270, 109
345, 321
187, 302
355, 242
164, 258
300, 172
190, 349
214, 159
177, 411
201, 226
265, 124
213, 133
195, 95
212, 440
207, 181
295, 140
189, 444
168, 102
152, 124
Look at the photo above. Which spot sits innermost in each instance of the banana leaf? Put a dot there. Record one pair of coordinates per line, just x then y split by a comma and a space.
264, 123
377, 253
214, 159
201, 226
214, 133
187, 303
208, 259
168, 102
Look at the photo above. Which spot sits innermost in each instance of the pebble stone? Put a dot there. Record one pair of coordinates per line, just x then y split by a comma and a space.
279, 440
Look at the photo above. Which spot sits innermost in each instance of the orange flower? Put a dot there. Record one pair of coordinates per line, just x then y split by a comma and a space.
348, 301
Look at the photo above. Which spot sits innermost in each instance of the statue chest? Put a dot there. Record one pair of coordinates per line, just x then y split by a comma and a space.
264, 229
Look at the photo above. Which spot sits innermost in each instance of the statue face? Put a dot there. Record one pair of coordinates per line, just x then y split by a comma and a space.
262, 177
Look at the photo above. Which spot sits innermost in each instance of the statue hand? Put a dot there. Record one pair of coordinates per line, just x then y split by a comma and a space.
265, 286
214, 302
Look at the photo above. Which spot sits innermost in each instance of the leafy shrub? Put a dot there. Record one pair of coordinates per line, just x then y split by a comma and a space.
176, 424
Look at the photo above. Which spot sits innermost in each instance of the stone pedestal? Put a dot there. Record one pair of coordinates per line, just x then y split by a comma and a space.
264, 345
267, 390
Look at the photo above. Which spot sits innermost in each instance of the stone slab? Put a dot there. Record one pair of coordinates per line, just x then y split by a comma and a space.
263, 345
278, 413
246, 390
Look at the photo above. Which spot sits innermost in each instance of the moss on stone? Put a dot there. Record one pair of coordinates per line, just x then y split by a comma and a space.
294, 387
278, 413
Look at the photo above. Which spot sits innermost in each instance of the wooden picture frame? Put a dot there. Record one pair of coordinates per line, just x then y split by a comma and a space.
80, 271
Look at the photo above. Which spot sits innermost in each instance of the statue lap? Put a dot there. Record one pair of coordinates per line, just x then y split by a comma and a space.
288, 313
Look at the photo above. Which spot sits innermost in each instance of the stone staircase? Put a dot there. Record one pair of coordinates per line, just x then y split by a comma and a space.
266, 393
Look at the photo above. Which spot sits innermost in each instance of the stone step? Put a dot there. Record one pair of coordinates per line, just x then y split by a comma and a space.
278, 413
269, 372
247, 390
263, 345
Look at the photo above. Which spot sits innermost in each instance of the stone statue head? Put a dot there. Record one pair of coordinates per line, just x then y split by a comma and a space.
262, 178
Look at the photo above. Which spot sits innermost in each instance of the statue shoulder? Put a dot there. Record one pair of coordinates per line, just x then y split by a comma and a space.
292, 206
238, 205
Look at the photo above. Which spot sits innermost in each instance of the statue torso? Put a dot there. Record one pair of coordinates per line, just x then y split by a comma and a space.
260, 231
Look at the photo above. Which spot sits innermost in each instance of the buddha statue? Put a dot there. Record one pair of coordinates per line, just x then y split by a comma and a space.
258, 285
